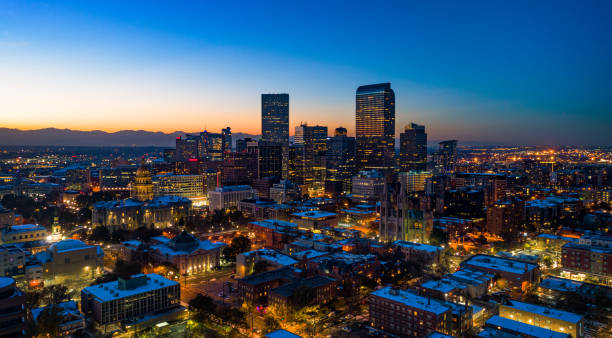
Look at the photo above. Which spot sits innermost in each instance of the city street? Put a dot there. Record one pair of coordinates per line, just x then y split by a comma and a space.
208, 283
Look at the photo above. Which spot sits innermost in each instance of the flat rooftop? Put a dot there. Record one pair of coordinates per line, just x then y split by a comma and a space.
106, 292
545, 311
411, 299
524, 329
499, 263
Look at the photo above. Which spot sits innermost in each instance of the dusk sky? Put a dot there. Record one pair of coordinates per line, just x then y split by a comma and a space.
532, 72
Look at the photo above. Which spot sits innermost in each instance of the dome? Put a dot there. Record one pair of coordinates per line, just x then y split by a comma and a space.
68, 244
184, 242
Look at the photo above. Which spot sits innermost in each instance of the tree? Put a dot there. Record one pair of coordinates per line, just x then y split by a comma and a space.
239, 245
202, 304
55, 294
270, 324
438, 236
47, 324
126, 269
100, 234
482, 240
302, 296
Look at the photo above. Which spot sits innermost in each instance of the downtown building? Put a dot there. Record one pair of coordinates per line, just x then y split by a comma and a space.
230, 196
189, 186
12, 309
127, 301
375, 127
340, 163
307, 159
413, 148
274, 133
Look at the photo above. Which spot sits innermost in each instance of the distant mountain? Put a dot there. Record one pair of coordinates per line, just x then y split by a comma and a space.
94, 138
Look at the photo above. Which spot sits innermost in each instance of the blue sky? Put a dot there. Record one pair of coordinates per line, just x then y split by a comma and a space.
516, 72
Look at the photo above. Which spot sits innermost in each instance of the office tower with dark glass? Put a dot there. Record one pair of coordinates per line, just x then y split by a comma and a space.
413, 148
340, 162
446, 156
375, 127
226, 133
275, 124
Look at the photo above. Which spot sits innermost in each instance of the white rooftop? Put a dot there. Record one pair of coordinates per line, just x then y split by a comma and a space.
410, 299
545, 311
109, 291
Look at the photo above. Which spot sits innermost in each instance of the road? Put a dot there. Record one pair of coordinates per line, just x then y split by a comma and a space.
208, 283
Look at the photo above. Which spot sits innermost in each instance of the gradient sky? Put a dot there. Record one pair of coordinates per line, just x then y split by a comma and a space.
532, 72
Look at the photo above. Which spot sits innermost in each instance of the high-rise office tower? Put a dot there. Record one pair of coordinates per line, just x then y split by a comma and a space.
275, 124
446, 156
226, 134
375, 127
413, 148
186, 148
340, 162
211, 146
311, 141
270, 159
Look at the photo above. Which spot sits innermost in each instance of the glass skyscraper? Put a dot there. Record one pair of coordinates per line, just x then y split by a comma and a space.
275, 124
375, 127
413, 148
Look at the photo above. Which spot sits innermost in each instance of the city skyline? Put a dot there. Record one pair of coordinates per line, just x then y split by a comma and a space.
513, 76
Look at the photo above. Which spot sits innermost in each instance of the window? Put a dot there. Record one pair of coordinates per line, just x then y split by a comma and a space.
66, 260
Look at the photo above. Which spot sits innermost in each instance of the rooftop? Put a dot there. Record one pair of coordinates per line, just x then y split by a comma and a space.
545, 311
410, 299
499, 263
314, 214
281, 334
418, 246
522, 328
109, 291
443, 285
229, 188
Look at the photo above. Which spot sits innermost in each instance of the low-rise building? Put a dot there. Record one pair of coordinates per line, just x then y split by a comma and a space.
12, 260
544, 317
71, 259
255, 289
227, 197
320, 289
518, 274
129, 300
497, 326
23, 233
595, 260
245, 262
315, 219
405, 313
72, 320
187, 253
418, 252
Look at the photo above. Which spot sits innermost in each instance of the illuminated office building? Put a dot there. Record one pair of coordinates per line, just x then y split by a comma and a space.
375, 127
340, 162
190, 186
275, 125
413, 148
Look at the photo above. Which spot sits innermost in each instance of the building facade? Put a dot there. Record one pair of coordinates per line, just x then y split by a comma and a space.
375, 127
413, 148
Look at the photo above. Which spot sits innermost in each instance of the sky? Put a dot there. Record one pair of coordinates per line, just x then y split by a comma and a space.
514, 72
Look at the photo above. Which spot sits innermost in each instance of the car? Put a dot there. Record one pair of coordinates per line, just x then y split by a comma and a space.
212, 279
346, 329
220, 294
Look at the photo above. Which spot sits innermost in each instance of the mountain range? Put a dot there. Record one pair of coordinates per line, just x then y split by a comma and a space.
94, 138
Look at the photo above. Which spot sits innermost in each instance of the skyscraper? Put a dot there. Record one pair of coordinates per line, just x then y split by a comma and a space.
226, 133
413, 148
375, 127
275, 124
446, 156
311, 141
340, 162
